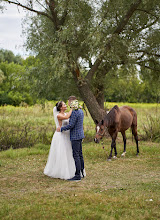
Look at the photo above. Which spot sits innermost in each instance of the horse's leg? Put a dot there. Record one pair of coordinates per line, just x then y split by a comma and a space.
115, 151
113, 144
124, 141
134, 132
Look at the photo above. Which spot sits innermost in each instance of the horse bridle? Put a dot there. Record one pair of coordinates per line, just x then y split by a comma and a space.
103, 132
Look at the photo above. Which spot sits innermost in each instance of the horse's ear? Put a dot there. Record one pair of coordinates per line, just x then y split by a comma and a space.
96, 122
102, 122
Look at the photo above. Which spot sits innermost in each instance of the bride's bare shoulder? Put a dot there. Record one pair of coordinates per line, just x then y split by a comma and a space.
64, 116
60, 116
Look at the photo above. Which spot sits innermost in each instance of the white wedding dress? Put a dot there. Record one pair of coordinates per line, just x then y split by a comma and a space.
60, 162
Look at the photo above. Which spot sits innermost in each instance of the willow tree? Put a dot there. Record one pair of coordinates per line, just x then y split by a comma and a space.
90, 38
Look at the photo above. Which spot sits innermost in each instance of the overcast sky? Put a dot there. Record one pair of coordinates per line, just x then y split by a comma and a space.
11, 30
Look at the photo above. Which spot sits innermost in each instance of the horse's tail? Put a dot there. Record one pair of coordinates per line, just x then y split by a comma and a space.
132, 133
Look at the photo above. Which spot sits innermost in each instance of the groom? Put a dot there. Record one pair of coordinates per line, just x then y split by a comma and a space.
76, 135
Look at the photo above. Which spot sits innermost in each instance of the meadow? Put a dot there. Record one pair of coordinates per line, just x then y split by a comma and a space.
125, 188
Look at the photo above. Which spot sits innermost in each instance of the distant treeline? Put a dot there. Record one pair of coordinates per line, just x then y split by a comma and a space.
30, 80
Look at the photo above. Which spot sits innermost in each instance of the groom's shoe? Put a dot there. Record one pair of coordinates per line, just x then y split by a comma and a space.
75, 178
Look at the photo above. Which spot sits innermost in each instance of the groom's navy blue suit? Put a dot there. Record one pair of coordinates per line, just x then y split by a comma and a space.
76, 135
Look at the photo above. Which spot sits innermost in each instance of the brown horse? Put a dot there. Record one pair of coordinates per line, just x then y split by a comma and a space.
117, 120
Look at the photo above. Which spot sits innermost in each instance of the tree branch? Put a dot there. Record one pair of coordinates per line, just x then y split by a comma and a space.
63, 18
138, 9
30, 9
52, 7
94, 68
47, 2
142, 63
126, 18
146, 52
153, 69
147, 26
41, 5
118, 30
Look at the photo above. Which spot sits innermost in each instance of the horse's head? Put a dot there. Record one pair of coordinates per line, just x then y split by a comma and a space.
100, 131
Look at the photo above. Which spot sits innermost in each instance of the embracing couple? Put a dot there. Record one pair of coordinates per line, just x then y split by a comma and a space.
65, 160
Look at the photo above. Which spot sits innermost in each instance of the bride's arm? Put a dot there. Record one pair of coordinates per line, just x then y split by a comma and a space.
63, 117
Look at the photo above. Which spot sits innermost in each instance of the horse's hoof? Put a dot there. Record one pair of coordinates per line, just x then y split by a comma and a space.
124, 154
109, 159
137, 155
114, 157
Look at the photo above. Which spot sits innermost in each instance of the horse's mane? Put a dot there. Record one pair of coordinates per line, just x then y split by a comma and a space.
110, 117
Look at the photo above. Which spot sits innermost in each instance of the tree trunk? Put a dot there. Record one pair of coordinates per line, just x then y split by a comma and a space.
99, 89
99, 83
96, 112
100, 98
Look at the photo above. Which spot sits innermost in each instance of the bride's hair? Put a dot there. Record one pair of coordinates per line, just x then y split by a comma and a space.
59, 105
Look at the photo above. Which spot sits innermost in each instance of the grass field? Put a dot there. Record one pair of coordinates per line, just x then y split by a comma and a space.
125, 188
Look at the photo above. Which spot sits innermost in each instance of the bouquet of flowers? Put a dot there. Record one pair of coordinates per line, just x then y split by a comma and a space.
75, 105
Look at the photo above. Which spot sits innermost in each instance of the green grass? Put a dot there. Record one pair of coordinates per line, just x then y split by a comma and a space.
125, 188
27, 126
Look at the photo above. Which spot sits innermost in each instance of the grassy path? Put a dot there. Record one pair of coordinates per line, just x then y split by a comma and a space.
126, 188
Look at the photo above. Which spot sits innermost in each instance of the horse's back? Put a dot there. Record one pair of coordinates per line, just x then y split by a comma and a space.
128, 110
128, 117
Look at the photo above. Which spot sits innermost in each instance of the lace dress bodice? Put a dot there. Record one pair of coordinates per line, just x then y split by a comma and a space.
65, 122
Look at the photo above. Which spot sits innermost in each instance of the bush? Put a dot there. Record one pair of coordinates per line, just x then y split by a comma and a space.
20, 136
15, 98
152, 128
5, 99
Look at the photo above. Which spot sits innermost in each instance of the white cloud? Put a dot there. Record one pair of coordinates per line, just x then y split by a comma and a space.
11, 30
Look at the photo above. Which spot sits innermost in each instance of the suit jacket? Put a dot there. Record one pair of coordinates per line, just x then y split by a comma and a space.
75, 125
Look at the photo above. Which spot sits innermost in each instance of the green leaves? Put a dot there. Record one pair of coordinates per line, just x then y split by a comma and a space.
15, 81
95, 37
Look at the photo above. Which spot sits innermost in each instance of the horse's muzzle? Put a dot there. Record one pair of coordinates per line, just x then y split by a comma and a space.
96, 140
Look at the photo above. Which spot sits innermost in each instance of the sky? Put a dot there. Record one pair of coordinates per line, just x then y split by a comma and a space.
11, 30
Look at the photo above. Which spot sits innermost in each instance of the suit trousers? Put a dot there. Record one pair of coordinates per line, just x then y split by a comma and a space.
77, 155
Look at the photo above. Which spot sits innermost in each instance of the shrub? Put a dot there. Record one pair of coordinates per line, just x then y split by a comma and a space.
5, 99
20, 136
151, 128
15, 98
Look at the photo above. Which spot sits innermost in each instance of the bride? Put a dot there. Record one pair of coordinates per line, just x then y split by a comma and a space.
60, 162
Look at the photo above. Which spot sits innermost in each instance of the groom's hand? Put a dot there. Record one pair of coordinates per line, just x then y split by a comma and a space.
59, 129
